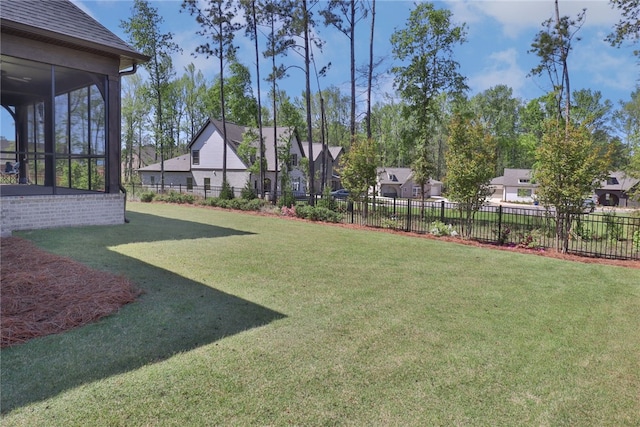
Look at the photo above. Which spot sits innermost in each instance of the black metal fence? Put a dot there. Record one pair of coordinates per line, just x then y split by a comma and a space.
602, 234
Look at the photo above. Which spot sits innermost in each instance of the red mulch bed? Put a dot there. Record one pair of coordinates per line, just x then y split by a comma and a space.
43, 294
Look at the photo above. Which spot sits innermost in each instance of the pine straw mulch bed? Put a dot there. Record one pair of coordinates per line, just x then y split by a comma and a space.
43, 294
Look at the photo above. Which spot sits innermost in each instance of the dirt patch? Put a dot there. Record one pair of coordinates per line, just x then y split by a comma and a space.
43, 294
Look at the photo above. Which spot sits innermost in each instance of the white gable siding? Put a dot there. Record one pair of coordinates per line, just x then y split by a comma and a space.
210, 144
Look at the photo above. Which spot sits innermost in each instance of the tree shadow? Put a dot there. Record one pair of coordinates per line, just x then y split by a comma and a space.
174, 315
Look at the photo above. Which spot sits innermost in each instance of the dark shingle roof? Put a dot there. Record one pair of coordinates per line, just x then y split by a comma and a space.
176, 164
62, 22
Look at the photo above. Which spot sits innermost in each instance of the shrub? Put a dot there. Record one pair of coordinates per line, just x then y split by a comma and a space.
531, 239
226, 192
391, 223
248, 192
327, 201
317, 213
147, 196
614, 229
175, 197
439, 228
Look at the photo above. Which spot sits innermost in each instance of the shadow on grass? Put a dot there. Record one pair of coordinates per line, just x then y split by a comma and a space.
174, 315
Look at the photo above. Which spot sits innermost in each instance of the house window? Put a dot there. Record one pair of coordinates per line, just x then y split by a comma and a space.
416, 191
195, 157
612, 180
189, 183
524, 192
523, 181
153, 180
294, 159
296, 185
207, 184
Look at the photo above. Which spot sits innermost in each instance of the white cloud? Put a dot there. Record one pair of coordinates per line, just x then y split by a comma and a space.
518, 16
503, 69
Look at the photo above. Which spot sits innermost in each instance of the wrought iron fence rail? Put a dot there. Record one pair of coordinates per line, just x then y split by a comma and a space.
601, 235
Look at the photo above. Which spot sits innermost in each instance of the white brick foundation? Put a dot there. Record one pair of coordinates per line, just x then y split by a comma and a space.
34, 212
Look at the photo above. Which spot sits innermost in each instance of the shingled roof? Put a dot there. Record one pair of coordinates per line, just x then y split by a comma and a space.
62, 23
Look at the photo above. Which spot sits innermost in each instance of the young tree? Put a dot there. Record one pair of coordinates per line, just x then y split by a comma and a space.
470, 166
358, 170
569, 166
216, 23
427, 44
145, 35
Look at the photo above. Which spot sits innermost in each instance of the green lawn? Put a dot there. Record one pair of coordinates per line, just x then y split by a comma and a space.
252, 320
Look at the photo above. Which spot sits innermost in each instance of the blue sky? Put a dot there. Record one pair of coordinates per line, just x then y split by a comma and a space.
499, 35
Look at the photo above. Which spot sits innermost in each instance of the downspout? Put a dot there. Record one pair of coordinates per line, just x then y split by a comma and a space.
124, 190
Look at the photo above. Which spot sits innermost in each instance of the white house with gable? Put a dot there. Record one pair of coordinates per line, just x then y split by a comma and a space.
202, 167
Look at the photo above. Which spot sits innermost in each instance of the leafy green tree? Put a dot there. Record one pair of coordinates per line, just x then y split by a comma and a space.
393, 130
144, 33
241, 106
470, 162
627, 121
498, 110
194, 88
217, 23
358, 170
426, 46
134, 113
569, 166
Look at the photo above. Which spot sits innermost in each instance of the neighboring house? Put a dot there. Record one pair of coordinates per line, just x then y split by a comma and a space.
141, 157
55, 56
203, 166
399, 182
332, 158
616, 189
517, 186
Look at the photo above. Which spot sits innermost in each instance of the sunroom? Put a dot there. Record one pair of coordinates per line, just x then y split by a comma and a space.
60, 116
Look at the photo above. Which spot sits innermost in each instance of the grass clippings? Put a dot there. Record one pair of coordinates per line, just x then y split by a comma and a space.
44, 294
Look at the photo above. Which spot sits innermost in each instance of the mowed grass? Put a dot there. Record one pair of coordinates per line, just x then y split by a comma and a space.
252, 320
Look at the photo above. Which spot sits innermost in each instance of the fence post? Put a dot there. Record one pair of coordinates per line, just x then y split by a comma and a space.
394, 207
408, 215
500, 225
442, 211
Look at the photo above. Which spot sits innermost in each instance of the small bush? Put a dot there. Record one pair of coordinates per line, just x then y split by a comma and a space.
317, 213
175, 197
226, 192
439, 228
248, 192
238, 204
391, 223
147, 196
531, 240
327, 201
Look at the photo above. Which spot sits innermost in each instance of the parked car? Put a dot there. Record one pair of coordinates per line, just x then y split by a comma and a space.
340, 194
589, 205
